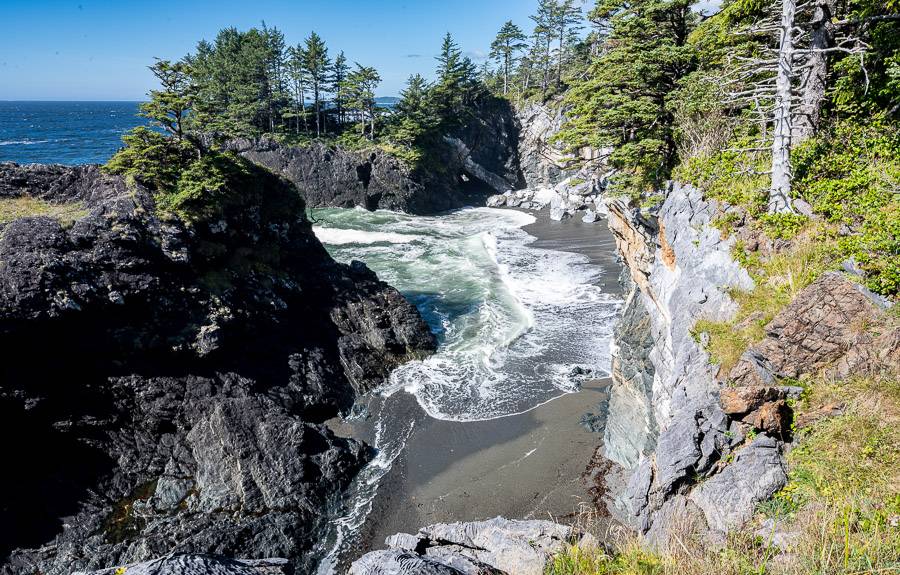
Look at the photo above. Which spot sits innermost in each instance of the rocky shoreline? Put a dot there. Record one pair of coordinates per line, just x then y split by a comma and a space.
187, 371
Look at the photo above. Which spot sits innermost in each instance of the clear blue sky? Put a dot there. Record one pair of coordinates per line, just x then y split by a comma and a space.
100, 49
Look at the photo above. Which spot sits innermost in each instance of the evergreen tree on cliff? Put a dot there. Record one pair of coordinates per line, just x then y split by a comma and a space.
360, 87
510, 40
625, 101
337, 76
317, 66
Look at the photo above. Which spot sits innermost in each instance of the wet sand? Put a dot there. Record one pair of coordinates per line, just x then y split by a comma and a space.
523, 466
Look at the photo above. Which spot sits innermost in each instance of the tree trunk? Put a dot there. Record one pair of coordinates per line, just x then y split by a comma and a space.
780, 192
506, 74
814, 82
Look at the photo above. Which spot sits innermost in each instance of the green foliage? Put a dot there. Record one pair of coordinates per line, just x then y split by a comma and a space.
204, 187
782, 226
151, 158
509, 42
239, 85
850, 174
778, 279
168, 108
730, 176
625, 101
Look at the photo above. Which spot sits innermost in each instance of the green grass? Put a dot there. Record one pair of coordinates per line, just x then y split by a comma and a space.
27, 206
778, 279
842, 501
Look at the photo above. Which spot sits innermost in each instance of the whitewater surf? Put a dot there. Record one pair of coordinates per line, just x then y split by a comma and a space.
517, 326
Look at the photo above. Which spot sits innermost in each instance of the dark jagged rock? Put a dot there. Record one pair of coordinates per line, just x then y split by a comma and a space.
184, 564
477, 159
165, 383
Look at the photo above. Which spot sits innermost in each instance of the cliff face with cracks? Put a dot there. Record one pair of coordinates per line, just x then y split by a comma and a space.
666, 429
678, 428
166, 382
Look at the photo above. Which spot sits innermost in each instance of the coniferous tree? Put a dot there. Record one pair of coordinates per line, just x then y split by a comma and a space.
296, 72
338, 75
510, 40
317, 65
414, 113
168, 107
625, 102
566, 22
542, 40
360, 87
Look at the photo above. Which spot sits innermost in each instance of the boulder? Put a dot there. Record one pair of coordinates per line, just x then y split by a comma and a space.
558, 214
828, 324
496, 201
497, 546
589, 217
729, 499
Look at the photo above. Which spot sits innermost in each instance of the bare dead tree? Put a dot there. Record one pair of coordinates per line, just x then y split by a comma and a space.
784, 84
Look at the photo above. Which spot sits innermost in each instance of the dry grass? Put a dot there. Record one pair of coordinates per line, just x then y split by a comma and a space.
25, 206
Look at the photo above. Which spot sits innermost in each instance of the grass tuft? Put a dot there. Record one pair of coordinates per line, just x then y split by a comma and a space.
27, 206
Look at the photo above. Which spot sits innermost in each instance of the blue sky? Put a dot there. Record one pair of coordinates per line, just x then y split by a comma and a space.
100, 49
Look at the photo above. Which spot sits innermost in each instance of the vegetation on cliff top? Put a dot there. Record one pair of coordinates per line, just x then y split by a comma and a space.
27, 206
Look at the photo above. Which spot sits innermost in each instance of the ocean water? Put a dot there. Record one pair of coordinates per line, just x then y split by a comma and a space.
64, 132
517, 326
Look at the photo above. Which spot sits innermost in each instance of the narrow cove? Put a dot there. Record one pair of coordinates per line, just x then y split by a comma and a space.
496, 428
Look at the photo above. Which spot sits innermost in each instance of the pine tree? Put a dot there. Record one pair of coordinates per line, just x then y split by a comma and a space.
338, 75
566, 19
510, 40
168, 108
360, 87
625, 101
296, 71
317, 65
542, 38
415, 117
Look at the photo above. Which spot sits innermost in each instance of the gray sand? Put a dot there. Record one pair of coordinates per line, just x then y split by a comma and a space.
523, 466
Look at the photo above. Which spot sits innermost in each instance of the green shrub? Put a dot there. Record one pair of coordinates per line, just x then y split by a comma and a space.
730, 176
850, 174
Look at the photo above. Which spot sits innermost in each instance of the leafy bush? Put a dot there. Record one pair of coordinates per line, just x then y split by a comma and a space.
850, 174
730, 176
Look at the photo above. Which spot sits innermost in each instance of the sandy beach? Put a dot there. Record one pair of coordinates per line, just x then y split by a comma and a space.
528, 465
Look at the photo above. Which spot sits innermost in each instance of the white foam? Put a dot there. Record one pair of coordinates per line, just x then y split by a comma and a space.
515, 319
339, 237
22, 142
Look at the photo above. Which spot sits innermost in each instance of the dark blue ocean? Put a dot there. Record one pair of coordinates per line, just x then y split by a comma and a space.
64, 132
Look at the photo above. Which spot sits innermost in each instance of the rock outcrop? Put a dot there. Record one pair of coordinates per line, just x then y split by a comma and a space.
166, 382
677, 429
494, 547
478, 158
664, 385
829, 325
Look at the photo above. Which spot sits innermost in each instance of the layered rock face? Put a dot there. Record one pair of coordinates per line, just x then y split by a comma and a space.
478, 158
664, 385
677, 428
165, 382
